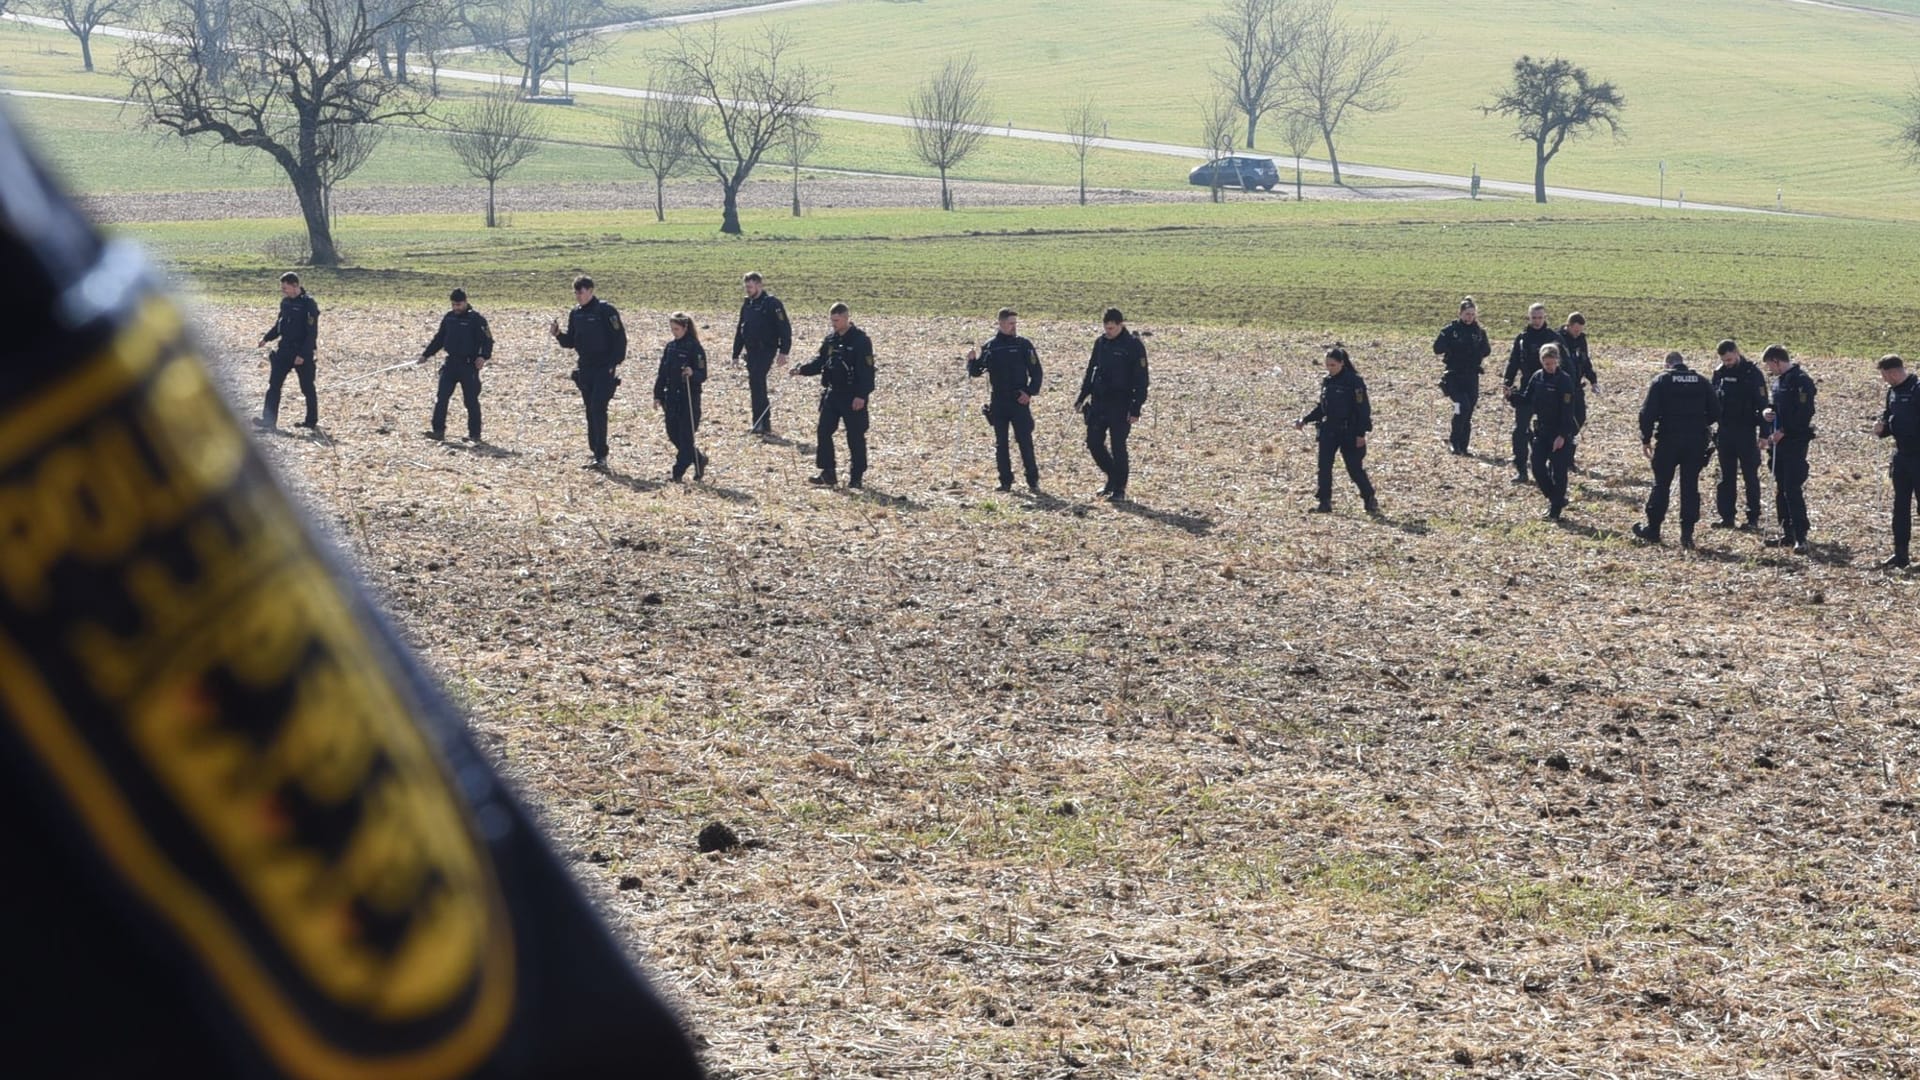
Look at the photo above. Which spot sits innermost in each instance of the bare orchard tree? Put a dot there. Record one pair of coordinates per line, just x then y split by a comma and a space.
213, 26
1084, 124
1551, 102
538, 36
803, 139
656, 136
83, 17
1302, 133
493, 137
949, 113
1340, 69
1257, 37
1218, 121
306, 70
748, 96
342, 151
1908, 140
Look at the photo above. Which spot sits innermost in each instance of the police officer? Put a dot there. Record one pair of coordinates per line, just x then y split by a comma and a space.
599, 342
845, 367
1742, 389
1012, 367
1462, 346
1523, 360
763, 336
1112, 393
1344, 416
1901, 422
1790, 422
1680, 408
676, 393
1572, 339
298, 332
1547, 398
469, 344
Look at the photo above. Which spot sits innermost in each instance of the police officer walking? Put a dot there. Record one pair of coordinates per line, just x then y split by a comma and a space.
469, 344
1790, 419
676, 393
1344, 416
599, 342
1680, 408
763, 336
1548, 401
298, 332
1523, 360
1112, 393
1574, 357
845, 367
1012, 368
1901, 422
1462, 346
1742, 389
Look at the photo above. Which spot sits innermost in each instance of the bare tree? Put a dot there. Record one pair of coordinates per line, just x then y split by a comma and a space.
1341, 69
1302, 133
949, 113
83, 17
1257, 36
494, 137
656, 136
1909, 138
213, 26
1551, 102
748, 95
538, 36
803, 139
342, 151
306, 70
1218, 120
1084, 124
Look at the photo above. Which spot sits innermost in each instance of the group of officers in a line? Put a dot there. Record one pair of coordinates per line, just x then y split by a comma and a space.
1686, 419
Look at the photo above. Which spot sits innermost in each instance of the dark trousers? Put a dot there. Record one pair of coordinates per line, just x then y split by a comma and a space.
1464, 391
1522, 436
759, 362
1688, 458
1790, 488
1550, 469
596, 391
836, 409
276, 375
1107, 430
1012, 416
1739, 452
1353, 456
463, 374
1905, 471
680, 425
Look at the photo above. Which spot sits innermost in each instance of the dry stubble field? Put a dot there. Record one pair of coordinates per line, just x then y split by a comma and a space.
1200, 787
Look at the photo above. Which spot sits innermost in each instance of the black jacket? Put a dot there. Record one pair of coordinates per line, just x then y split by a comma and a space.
1344, 411
763, 325
1011, 365
464, 334
1681, 405
1576, 359
1793, 404
1551, 399
297, 329
670, 388
1742, 390
1524, 358
845, 364
1116, 373
1902, 416
1462, 347
594, 331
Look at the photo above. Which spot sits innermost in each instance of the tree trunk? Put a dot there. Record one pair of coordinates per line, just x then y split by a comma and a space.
86, 49
1539, 173
1299, 185
306, 187
796, 189
1083, 180
1252, 123
730, 209
1332, 157
490, 217
946, 198
386, 66
659, 198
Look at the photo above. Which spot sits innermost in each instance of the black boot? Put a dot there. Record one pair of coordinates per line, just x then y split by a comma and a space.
1647, 533
825, 479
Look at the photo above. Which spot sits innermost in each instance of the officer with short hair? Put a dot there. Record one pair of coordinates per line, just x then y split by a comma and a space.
1742, 389
1548, 400
1462, 347
1790, 419
1012, 367
764, 336
1900, 421
1680, 408
1523, 360
599, 342
1344, 417
297, 329
469, 343
1112, 393
845, 367
1578, 362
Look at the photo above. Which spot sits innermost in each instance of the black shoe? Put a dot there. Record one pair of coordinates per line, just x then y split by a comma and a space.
1117, 497
678, 478
436, 436
474, 438
855, 483
1006, 485
1646, 533
1553, 513
311, 425
1723, 523
1686, 540
263, 424
1800, 548
598, 464
1521, 479
1777, 541
825, 479
1896, 562
1033, 484
700, 466
1321, 508
1752, 525
1373, 507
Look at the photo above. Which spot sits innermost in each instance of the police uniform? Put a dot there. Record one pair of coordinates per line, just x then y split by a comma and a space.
1577, 361
1112, 393
1523, 360
761, 334
1461, 347
599, 340
679, 397
1742, 390
1680, 408
298, 332
467, 339
1012, 368
1902, 424
1548, 401
845, 367
1344, 416
1793, 407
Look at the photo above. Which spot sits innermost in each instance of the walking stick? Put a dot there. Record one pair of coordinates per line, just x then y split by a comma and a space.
415, 362
693, 429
